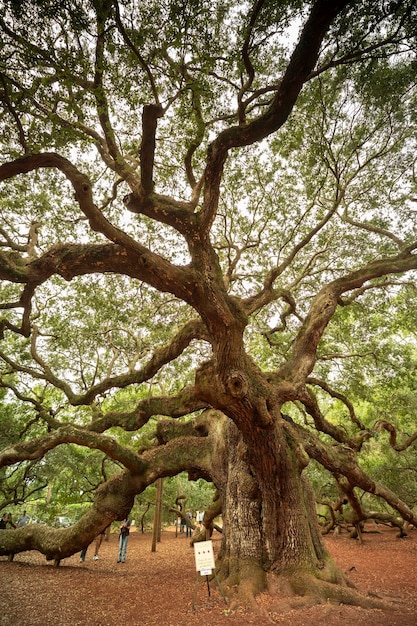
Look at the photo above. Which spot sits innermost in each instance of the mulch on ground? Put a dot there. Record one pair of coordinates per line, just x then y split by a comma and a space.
158, 588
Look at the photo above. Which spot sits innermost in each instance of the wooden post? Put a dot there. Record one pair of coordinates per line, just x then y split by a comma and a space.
156, 533
159, 505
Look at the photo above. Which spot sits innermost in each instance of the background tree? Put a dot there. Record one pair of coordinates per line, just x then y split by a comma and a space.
205, 207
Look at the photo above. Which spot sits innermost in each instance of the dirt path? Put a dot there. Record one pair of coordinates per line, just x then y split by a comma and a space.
157, 589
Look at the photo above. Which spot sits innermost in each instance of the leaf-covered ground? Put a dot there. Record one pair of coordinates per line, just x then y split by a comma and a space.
157, 588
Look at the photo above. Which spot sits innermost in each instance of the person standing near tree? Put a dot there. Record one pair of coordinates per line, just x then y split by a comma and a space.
123, 539
10, 520
23, 519
99, 541
189, 521
3, 522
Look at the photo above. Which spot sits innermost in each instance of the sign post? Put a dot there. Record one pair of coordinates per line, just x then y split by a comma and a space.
205, 565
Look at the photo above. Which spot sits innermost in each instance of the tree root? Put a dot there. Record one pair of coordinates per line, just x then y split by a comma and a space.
297, 591
305, 590
242, 588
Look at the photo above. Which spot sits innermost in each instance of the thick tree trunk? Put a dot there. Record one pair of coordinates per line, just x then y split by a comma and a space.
271, 536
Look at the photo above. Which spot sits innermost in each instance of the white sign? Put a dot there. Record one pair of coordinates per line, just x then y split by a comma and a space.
204, 556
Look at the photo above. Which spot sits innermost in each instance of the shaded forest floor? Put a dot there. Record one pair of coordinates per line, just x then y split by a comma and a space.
157, 588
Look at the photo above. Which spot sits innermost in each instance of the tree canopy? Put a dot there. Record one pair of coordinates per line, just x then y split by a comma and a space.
208, 245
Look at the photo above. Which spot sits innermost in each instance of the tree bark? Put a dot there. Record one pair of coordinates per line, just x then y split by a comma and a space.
271, 537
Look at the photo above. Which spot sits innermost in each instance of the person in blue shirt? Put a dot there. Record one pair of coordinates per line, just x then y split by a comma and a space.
23, 519
123, 539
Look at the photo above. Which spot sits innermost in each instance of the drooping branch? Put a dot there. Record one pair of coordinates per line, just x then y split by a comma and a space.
113, 499
37, 448
384, 425
341, 460
360, 514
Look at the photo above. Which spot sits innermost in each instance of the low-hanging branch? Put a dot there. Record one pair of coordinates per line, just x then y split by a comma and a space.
390, 428
341, 460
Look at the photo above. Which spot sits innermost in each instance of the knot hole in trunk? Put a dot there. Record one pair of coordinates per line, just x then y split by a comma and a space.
237, 384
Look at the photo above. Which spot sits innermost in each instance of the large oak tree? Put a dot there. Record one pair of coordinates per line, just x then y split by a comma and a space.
194, 194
